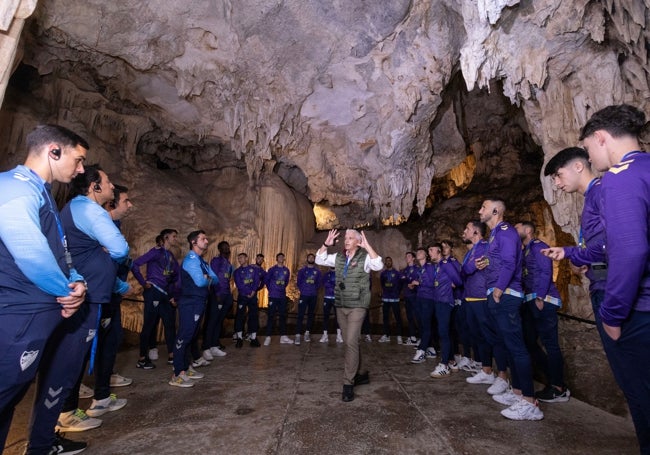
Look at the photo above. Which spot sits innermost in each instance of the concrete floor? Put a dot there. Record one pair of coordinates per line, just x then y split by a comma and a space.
286, 399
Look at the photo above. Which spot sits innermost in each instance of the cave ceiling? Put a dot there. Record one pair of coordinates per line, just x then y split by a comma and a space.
360, 106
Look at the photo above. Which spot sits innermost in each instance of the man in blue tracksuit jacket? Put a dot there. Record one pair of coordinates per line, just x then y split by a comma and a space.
38, 286
196, 278
96, 246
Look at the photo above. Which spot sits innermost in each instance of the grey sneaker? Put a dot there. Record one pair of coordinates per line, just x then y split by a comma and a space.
101, 407
75, 421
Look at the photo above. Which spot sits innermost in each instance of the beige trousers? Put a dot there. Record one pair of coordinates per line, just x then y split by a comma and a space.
350, 321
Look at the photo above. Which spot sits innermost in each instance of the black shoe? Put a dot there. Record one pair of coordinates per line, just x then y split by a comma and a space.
145, 364
348, 392
170, 360
552, 395
255, 343
63, 446
361, 379
239, 343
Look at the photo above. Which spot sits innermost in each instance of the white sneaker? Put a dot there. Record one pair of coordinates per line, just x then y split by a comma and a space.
499, 386
153, 354
324, 338
339, 338
463, 362
75, 421
419, 356
285, 340
481, 378
297, 340
193, 374
399, 340
441, 371
267, 341
472, 367
368, 339
216, 352
101, 407
507, 398
307, 337
85, 392
200, 362
523, 410
411, 341
118, 380
431, 353
384, 339
207, 355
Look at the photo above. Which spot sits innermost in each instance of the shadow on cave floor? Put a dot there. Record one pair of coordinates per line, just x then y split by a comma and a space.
286, 399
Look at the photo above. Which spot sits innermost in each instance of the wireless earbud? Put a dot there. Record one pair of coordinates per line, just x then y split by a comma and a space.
495, 211
55, 153
97, 188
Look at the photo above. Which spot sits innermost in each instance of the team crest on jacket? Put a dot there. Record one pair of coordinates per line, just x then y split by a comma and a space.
27, 358
504, 227
91, 334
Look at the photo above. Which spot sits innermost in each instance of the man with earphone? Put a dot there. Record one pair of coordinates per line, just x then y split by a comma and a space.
503, 268
97, 247
38, 284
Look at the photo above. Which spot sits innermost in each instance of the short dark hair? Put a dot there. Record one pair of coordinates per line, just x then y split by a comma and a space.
44, 134
564, 157
221, 244
117, 191
618, 120
448, 242
159, 239
480, 226
412, 253
165, 232
278, 255
259, 255
242, 254
435, 245
80, 184
192, 236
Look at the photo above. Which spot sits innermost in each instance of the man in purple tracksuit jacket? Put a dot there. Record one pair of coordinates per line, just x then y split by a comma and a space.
481, 323
220, 303
571, 172
539, 314
276, 281
309, 282
610, 137
446, 276
248, 281
407, 275
391, 286
328, 283
160, 288
503, 268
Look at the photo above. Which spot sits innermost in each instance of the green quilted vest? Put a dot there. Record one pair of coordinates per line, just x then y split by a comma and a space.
357, 282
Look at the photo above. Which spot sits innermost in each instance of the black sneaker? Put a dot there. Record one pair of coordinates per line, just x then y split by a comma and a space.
255, 343
552, 395
63, 446
361, 379
170, 360
145, 364
239, 343
348, 393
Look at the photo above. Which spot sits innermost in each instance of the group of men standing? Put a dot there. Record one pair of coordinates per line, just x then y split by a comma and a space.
61, 286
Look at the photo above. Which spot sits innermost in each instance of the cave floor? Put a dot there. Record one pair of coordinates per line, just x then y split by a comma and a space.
286, 399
